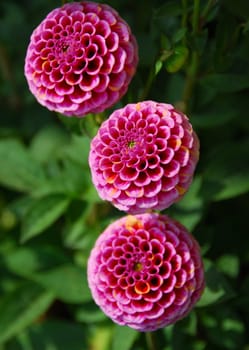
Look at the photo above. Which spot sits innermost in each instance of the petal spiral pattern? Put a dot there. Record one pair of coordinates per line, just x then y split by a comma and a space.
80, 59
144, 157
146, 271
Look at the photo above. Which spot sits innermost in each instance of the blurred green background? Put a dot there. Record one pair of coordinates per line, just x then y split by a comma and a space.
193, 54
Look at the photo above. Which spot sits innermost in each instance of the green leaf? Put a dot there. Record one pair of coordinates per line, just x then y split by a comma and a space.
224, 327
25, 261
90, 313
178, 58
227, 171
78, 149
73, 180
57, 335
20, 171
67, 282
101, 338
219, 112
21, 205
158, 66
229, 264
42, 214
189, 209
214, 84
77, 230
22, 307
179, 35
47, 143
169, 9
226, 83
123, 338
217, 288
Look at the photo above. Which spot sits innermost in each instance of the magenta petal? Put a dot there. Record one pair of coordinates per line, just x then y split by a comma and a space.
152, 189
128, 174
134, 191
120, 184
149, 158
136, 272
75, 45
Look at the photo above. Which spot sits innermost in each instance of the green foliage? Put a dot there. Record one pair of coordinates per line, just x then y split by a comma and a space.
42, 214
195, 57
123, 338
22, 307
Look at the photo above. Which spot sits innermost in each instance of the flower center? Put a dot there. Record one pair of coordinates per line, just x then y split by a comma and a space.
138, 266
64, 48
131, 144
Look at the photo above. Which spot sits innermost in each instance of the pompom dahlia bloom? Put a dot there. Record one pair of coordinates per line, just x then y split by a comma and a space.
144, 157
80, 59
145, 271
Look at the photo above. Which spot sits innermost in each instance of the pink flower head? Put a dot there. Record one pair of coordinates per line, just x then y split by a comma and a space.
145, 271
81, 59
144, 157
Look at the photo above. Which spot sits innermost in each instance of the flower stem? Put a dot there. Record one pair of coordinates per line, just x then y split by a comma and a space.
190, 81
148, 84
150, 340
208, 8
196, 16
184, 13
194, 64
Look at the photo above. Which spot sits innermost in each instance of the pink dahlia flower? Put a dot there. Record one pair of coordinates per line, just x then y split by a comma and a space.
144, 157
145, 271
80, 59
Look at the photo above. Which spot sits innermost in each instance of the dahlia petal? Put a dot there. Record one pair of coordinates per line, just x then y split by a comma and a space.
165, 269
167, 299
78, 40
181, 295
153, 296
123, 31
79, 97
63, 89
156, 173
46, 81
155, 313
108, 16
146, 202
176, 263
134, 191
153, 161
117, 81
103, 29
112, 42
120, 56
174, 142
120, 184
73, 79
152, 155
108, 63
142, 305
152, 189
89, 82
117, 167
128, 174
125, 200
67, 104
161, 144
181, 278
126, 282
53, 97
